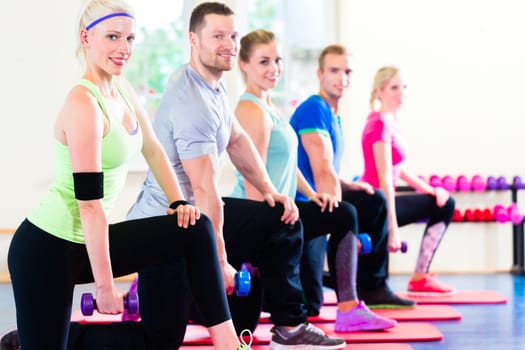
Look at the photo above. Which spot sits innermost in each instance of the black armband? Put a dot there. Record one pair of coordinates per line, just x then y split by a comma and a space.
89, 185
175, 204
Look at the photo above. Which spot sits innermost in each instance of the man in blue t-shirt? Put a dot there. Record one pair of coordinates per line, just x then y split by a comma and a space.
321, 146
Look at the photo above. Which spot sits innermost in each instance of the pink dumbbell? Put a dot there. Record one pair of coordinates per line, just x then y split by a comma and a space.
501, 214
514, 214
478, 184
434, 181
462, 184
447, 182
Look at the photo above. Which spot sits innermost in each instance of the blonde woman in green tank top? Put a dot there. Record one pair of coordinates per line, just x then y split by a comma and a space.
67, 238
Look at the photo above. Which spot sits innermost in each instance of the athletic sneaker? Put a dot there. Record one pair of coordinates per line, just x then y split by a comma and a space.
9, 340
383, 298
429, 286
361, 318
307, 337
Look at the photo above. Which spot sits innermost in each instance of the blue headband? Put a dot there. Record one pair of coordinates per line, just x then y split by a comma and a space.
116, 14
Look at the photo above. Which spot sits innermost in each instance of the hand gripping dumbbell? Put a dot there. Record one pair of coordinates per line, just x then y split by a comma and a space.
364, 243
88, 303
243, 279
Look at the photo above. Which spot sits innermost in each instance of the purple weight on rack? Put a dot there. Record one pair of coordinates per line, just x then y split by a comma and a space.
518, 183
502, 183
492, 184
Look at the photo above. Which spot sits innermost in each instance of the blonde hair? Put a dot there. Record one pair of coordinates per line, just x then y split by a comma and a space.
95, 9
382, 77
250, 40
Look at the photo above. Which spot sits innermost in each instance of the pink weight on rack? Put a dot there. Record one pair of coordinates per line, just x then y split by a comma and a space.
514, 214
463, 184
447, 182
478, 184
501, 214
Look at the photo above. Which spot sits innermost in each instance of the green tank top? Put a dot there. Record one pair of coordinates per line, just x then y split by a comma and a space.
58, 213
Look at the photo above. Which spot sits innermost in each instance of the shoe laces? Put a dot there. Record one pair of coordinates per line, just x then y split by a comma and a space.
312, 329
243, 343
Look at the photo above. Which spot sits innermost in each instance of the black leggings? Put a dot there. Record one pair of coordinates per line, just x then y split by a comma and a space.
316, 225
412, 208
45, 269
253, 232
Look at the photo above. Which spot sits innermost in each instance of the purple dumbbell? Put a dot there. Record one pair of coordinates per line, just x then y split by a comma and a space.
88, 304
492, 184
502, 183
404, 247
517, 183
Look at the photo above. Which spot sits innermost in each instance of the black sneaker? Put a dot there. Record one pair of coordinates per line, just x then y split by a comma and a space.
383, 298
9, 340
307, 337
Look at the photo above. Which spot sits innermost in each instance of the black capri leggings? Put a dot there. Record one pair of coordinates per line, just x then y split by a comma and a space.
44, 270
412, 208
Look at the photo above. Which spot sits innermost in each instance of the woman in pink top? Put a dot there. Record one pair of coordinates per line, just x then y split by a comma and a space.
384, 151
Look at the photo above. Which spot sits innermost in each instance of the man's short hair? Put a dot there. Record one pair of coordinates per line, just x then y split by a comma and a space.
331, 49
207, 8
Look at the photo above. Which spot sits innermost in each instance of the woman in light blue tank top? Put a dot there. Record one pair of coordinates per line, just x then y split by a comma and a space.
276, 141
67, 239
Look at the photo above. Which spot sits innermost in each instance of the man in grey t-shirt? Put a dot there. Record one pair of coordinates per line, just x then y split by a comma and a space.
196, 126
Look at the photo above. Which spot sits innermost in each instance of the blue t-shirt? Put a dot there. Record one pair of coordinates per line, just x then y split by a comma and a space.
315, 116
193, 120
281, 159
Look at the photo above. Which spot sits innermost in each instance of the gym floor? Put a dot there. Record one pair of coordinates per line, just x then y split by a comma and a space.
499, 326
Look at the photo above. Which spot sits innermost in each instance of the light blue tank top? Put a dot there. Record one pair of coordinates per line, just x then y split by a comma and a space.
281, 160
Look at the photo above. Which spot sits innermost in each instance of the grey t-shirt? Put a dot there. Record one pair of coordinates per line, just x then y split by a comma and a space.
193, 120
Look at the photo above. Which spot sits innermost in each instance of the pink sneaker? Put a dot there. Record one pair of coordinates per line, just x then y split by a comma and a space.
125, 315
429, 286
361, 318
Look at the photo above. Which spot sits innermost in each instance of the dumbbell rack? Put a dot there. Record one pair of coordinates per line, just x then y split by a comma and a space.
518, 241
518, 238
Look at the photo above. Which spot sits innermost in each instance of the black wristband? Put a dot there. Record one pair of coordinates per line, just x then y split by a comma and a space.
175, 204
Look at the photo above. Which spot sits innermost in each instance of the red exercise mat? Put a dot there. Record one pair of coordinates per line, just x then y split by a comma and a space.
76, 316
461, 297
435, 312
376, 346
402, 332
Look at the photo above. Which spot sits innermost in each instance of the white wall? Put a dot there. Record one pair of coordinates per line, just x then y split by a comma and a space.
464, 115
464, 65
